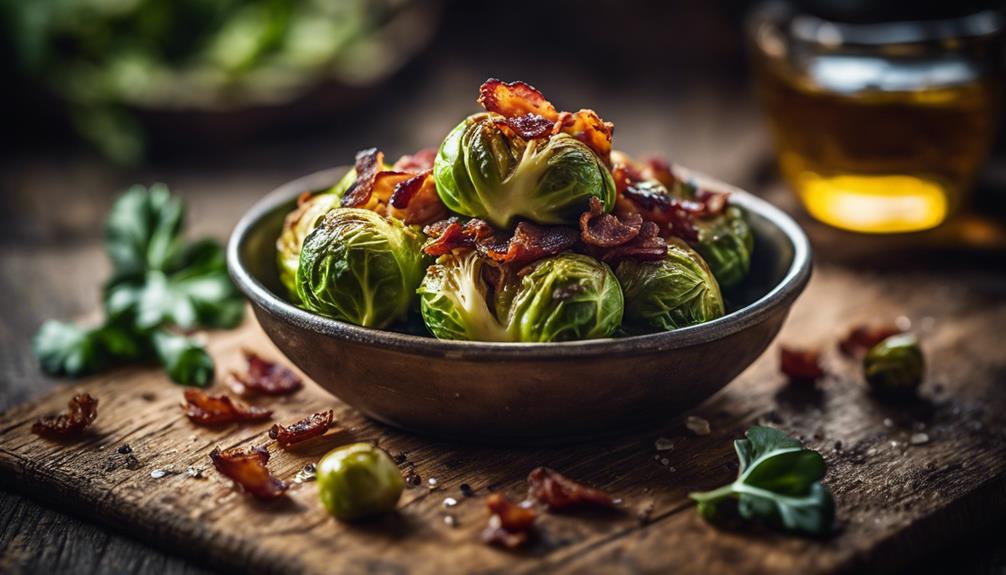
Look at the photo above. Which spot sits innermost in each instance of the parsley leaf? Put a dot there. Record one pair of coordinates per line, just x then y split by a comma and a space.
779, 483
159, 284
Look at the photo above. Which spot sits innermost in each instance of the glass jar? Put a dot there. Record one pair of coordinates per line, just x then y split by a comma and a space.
879, 127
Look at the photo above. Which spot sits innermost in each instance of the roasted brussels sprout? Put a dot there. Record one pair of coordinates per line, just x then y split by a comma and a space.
675, 292
457, 303
895, 366
481, 172
358, 481
360, 267
296, 226
564, 297
725, 242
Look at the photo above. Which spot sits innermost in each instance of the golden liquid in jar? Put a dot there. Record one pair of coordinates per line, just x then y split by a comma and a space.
874, 159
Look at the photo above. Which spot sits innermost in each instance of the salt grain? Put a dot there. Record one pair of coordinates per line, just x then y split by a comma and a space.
919, 439
663, 444
307, 473
697, 425
159, 473
194, 472
450, 520
431, 483
450, 502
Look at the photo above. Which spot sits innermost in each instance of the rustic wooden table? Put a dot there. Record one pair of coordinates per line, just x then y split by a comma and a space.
51, 265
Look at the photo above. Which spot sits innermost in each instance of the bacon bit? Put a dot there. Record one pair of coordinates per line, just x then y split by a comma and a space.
82, 409
861, 338
528, 126
406, 190
265, 377
207, 409
646, 246
416, 163
303, 198
509, 524
556, 492
660, 169
527, 244
368, 163
448, 235
607, 230
247, 469
424, 205
313, 426
527, 113
513, 99
800, 364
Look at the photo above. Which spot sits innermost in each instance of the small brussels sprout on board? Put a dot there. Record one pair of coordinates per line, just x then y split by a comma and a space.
358, 481
675, 292
564, 297
360, 267
483, 173
726, 243
297, 225
895, 366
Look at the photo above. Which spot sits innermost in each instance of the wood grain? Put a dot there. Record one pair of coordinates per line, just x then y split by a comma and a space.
895, 499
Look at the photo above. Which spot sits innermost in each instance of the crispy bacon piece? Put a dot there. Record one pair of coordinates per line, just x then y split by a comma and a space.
407, 189
513, 99
800, 364
646, 246
556, 492
528, 114
207, 409
415, 200
528, 243
450, 234
416, 163
861, 338
247, 469
607, 230
82, 409
313, 426
368, 163
509, 524
263, 376
660, 169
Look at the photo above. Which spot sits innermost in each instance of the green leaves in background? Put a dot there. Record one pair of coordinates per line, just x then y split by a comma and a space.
779, 483
159, 284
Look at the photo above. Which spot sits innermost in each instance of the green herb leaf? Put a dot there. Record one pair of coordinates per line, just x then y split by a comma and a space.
184, 359
779, 483
67, 349
142, 231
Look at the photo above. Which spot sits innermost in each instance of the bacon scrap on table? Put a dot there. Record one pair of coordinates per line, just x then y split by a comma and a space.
607, 230
266, 377
528, 114
861, 338
509, 524
528, 243
800, 364
313, 426
207, 409
247, 469
556, 492
82, 409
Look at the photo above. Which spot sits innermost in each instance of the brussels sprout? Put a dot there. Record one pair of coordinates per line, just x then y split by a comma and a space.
480, 172
725, 242
564, 297
677, 291
360, 267
296, 226
895, 365
358, 481
456, 301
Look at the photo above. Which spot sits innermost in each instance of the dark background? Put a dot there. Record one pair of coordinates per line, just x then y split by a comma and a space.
673, 77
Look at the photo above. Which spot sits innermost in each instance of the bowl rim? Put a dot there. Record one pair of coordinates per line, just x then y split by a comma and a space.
791, 285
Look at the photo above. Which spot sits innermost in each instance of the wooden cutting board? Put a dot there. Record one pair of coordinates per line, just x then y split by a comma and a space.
898, 496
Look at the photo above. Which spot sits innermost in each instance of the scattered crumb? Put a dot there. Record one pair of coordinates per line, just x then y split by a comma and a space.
919, 438
663, 444
697, 425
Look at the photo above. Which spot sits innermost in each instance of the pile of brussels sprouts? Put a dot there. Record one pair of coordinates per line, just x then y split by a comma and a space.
522, 227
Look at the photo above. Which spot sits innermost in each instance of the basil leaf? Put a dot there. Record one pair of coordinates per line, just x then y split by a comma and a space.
67, 349
778, 483
185, 361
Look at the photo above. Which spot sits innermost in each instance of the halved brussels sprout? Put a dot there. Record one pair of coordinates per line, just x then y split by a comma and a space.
360, 267
725, 242
564, 297
483, 173
675, 292
297, 225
